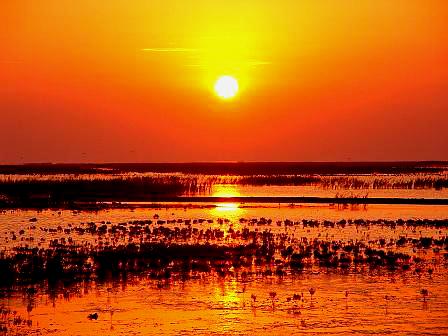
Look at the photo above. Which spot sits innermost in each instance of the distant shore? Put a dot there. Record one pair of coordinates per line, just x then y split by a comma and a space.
236, 168
117, 184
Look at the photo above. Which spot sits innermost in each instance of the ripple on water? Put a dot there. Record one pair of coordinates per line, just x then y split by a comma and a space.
379, 302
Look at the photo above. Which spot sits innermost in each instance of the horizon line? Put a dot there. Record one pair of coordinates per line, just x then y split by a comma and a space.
219, 162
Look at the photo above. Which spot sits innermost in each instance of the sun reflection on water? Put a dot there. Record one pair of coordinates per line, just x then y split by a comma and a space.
228, 210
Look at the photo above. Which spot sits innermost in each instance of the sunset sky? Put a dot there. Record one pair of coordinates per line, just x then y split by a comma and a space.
133, 81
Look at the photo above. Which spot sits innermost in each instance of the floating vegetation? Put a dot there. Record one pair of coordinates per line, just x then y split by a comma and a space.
163, 248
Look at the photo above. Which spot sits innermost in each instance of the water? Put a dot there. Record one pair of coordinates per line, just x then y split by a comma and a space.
224, 190
16, 220
378, 303
355, 301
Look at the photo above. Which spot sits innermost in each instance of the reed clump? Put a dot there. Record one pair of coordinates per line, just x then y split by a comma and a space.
161, 251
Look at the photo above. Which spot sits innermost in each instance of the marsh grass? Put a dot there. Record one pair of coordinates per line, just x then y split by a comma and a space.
57, 189
93, 188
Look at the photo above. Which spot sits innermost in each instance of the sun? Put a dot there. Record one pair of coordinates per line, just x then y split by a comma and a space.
226, 87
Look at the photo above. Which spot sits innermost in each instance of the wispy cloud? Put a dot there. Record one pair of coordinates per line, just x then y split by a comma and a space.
182, 50
258, 62
250, 63
196, 54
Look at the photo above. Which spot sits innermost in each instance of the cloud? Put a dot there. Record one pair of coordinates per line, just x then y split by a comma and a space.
250, 63
185, 50
195, 53
258, 63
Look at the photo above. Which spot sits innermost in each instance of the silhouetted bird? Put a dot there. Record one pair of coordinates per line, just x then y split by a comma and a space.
93, 316
312, 290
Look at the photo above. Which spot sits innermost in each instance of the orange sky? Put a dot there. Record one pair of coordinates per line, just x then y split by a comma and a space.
320, 80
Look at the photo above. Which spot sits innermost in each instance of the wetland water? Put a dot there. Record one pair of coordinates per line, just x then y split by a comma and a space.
354, 300
174, 268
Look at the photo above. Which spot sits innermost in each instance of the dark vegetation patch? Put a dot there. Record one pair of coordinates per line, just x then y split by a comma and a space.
161, 252
235, 168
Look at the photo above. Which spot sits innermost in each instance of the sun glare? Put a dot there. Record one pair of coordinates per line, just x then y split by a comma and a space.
226, 87
226, 191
